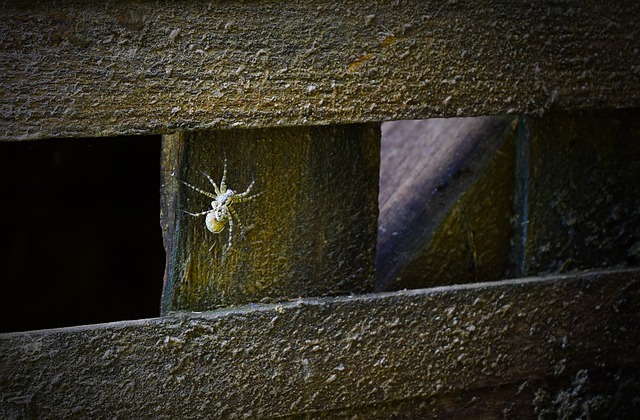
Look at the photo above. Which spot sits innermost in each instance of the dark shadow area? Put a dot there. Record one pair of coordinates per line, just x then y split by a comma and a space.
80, 239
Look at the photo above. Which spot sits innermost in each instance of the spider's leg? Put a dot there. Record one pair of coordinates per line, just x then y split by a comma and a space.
239, 198
230, 235
202, 213
233, 212
215, 186
223, 186
208, 194
247, 191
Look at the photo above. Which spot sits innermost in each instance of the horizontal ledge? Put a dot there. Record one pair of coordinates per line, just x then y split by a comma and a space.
83, 70
297, 304
327, 354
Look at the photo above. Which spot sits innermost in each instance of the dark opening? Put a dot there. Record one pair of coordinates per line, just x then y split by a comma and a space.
80, 239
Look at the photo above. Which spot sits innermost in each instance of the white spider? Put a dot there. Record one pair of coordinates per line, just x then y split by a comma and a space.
221, 210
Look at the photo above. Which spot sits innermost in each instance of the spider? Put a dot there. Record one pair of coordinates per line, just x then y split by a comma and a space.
221, 210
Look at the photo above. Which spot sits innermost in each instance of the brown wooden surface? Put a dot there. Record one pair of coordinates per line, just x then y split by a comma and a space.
446, 189
579, 196
458, 203
554, 346
564, 345
84, 69
311, 232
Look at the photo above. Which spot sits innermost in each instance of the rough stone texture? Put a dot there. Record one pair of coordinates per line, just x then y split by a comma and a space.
516, 348
86, 68
446, 189
311, 232
579, 196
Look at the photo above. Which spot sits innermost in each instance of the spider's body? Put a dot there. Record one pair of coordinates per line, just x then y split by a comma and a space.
222, 211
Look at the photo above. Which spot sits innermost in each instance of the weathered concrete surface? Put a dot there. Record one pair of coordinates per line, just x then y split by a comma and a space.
539, 345
578, 191
311, 232
446, 201
84, 69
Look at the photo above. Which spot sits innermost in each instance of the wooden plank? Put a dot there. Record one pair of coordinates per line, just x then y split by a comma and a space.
563, 344
80, 69
311, 231
579, 197
446, 206
576, 198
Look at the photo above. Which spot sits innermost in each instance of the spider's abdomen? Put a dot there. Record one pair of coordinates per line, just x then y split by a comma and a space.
215, 223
